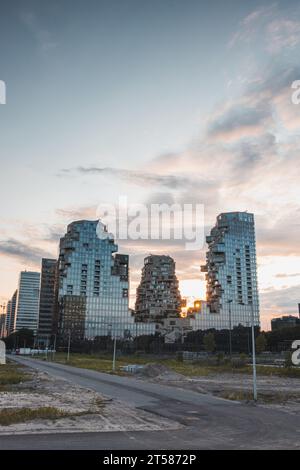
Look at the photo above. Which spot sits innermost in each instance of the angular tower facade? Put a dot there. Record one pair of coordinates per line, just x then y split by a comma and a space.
232, 292
93, 285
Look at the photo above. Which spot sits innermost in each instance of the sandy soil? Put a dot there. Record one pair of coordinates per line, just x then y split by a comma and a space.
273, 391
99, 413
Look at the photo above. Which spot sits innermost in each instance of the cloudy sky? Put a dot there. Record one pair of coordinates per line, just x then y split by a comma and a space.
162, 101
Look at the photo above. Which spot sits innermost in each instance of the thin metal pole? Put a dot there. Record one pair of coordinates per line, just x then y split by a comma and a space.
114, 355
54, 348
69, 345
230, 340
248, 340
253, 356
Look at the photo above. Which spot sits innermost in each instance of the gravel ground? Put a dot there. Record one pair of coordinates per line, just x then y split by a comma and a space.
273, 391
97, 413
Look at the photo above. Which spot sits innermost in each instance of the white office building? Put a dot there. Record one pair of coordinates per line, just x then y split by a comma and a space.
27, 302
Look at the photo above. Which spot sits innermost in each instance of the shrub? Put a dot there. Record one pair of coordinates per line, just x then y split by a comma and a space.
239, 362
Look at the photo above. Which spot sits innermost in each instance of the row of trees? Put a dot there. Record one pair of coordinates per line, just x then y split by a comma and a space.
210, 345
23, 338
210, 341
219, 340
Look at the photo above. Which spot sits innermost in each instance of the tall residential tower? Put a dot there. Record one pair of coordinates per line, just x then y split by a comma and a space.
11, 313
93, 284
47, 300
158, 295
232, 293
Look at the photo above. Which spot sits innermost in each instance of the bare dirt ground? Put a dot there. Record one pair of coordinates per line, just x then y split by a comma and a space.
89, 411
273, 391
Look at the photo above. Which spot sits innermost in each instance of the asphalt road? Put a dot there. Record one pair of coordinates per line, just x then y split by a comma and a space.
209, 422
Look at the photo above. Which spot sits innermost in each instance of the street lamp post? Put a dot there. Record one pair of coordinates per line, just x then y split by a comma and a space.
69, 346
230, 339
114, 354
114, 337
115, 346
253, 356
46, 350
54, 348
248, 339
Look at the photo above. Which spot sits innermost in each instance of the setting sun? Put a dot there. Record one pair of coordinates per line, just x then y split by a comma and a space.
192, 289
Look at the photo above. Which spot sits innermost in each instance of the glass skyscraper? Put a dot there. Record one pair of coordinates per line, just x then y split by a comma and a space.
93, 284
232, 292
47, 300
10, 314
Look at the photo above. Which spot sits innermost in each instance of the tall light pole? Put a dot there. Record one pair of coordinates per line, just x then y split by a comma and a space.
230, 341
54, 348
69, 346
253, 356
115, 346
248, 339
46, 350
114, 337
114, 354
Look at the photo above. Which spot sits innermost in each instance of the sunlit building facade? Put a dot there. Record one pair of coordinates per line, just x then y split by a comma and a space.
232, 292
93, 285
158, 296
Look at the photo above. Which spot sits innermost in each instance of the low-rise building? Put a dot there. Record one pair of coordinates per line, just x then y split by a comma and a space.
286, 321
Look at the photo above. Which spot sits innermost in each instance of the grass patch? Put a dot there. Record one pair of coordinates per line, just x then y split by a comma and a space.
290, 372
11, 374
263, 396
237, 395
103, 363
205, 369
187, 369
21, 415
